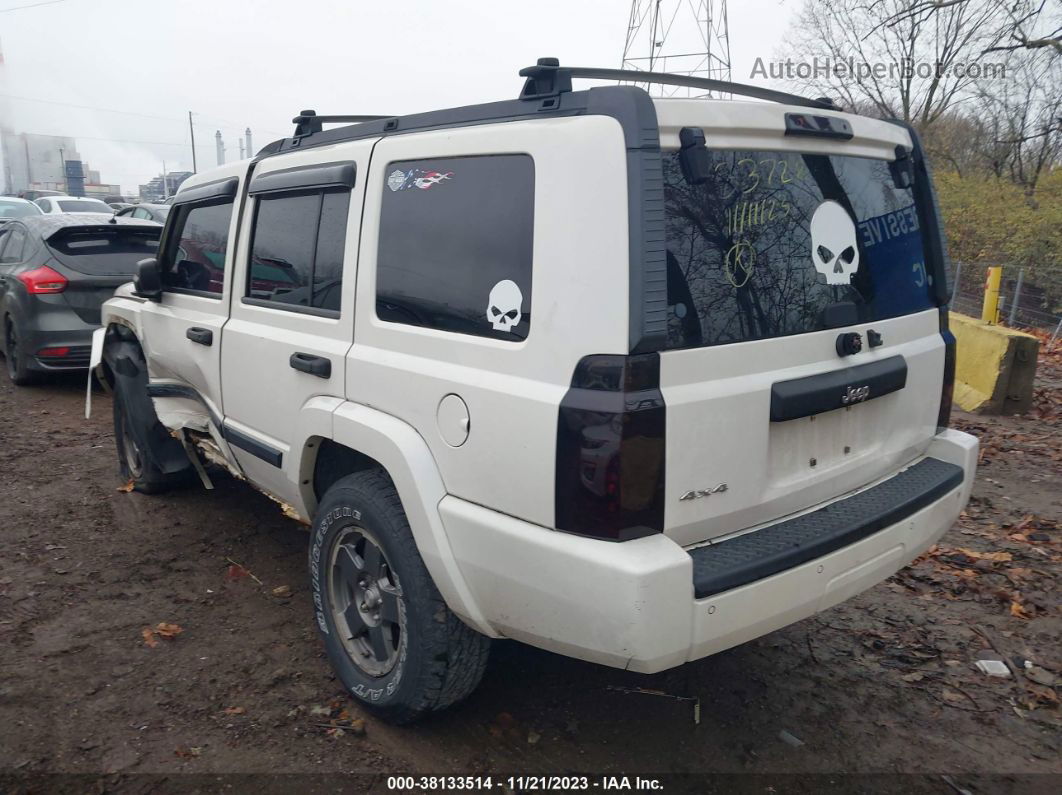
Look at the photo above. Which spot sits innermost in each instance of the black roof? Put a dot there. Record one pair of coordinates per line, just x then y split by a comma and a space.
47, 225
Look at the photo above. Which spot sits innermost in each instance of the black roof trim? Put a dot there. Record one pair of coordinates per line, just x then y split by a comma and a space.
220, 189
331, 175
548, 78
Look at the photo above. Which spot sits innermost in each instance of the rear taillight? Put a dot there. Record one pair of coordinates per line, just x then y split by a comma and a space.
43, 280
610, 449
947, 391
46, 352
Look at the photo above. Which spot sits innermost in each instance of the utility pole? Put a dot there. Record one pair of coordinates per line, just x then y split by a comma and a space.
62, 171
191, 132
165, 182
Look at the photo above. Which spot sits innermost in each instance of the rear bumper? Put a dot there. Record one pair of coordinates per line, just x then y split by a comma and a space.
633, 604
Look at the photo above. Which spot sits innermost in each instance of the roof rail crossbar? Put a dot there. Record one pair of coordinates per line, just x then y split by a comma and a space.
549, 78
308, 122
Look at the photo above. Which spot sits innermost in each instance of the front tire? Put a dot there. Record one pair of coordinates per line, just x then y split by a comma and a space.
389, 635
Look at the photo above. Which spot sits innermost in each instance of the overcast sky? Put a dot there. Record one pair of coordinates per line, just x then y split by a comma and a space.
237, 63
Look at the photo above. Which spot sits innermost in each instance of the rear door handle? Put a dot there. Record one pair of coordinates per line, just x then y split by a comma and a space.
203, 336
314, 365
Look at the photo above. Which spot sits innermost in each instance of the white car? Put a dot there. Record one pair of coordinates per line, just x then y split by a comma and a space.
73, 204
630, 379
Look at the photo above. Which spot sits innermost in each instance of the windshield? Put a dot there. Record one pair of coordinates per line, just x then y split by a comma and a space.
84, 206
18, 209
97, 252
772, 239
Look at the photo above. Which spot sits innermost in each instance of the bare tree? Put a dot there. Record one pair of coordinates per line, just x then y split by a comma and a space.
1025, 24
906, 65
1025, 111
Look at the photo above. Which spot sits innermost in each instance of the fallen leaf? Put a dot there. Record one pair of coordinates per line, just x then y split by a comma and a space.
1018, 611
282, 591
149, 637
236, 572
164, 630
128, 487
952, 696
325, 711
187, 752
913, 677
234, 710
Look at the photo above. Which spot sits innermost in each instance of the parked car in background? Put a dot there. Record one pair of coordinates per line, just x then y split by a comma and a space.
116, 206
33, 195
11, 207
55, 272
72, 204
148, 212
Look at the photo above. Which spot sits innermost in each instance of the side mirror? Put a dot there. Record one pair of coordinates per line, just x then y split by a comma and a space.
148, 280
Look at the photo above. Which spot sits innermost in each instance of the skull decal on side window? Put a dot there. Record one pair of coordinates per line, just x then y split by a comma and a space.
503, 306
833, 243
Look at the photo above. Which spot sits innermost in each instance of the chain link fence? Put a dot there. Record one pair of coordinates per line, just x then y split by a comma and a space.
1023, 304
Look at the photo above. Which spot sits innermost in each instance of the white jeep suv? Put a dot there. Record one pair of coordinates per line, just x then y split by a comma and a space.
630, 379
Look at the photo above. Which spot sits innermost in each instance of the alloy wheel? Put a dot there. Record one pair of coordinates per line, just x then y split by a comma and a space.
366, 602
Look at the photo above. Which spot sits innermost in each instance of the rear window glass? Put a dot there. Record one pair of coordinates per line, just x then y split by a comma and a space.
101, 253
84, 206
772, 239
18, 209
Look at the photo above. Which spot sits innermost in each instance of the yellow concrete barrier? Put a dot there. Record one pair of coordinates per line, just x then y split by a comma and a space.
994, 366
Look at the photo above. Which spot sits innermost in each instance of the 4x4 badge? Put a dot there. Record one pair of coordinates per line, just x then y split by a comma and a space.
696, 495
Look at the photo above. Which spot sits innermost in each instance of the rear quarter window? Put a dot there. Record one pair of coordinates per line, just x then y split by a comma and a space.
772, 239
455, 245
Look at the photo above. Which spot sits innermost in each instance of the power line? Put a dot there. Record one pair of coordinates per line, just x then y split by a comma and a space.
90, 107
33, 5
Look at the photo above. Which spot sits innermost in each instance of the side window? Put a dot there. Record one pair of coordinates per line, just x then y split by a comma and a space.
297, 249
12, 249
140, 212
195, 248
456, 245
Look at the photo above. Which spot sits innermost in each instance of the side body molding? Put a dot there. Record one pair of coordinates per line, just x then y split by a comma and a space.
407, 458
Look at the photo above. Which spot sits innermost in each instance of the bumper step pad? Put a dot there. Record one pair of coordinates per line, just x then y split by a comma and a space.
761, 553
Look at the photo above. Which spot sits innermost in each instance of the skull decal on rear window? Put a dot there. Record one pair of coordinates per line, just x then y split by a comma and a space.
503, 306
833, 243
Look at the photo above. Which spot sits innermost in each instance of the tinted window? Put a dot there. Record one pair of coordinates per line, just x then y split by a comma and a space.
297, 249
195, 256
456, 244
13, 243
772, 239
116, 251
83, 206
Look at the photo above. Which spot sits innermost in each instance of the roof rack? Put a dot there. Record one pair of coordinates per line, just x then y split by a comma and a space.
308, 122
548, 78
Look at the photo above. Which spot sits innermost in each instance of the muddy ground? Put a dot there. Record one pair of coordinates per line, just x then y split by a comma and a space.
883, 685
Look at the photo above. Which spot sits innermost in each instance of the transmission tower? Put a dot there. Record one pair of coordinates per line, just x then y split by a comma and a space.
687, 37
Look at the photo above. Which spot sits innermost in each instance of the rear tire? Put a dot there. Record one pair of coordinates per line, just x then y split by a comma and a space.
17, 369
389, 635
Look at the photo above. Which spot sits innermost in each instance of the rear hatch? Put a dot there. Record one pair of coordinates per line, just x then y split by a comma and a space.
791, 241
96, 259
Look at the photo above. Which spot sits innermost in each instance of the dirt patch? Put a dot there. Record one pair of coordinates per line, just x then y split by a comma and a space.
884, 683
